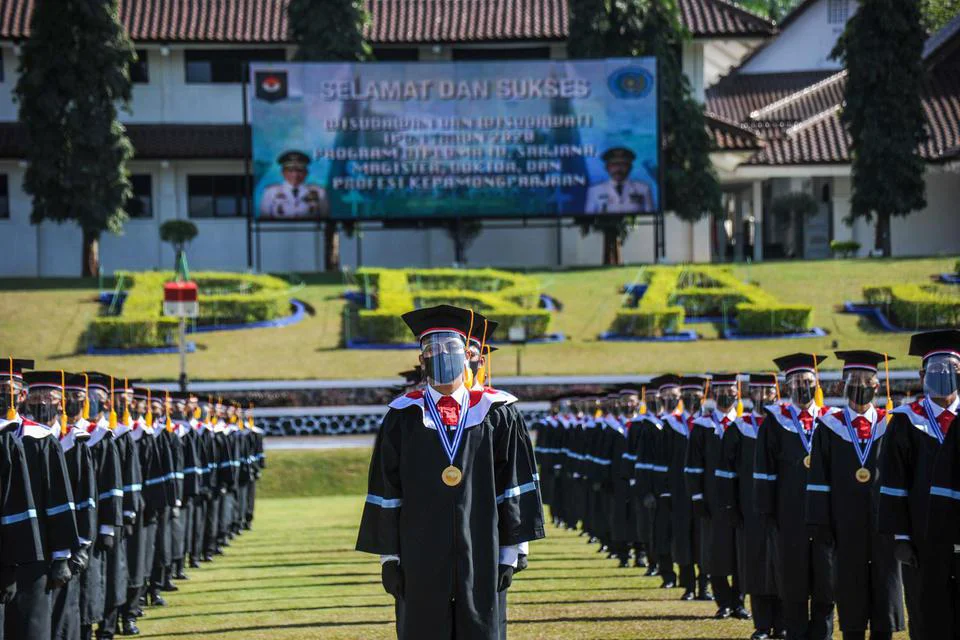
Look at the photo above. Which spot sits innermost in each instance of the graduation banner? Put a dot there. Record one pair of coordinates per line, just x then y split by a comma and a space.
421, 141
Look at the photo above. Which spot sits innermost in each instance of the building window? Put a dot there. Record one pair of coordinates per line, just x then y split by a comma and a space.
140, 204
4, 198
219, 66
140, 68
508, 53
216, 196
398, 54
837, 11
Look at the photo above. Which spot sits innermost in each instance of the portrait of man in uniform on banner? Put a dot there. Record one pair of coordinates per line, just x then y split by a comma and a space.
294, 197
619, 194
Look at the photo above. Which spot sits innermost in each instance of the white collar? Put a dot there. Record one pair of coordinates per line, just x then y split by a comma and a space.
460, 395
937, 409
870, 414
729, 415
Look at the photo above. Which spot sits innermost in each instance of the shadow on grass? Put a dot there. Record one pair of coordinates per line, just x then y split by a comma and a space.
260, 587
269, 627
213, 614
664, 618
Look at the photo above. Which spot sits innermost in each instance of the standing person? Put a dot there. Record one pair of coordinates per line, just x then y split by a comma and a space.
189, 468
447, 517
212, 428
636, 520
651, 476
914, 437
105, 579
31, 615
621, 530
67, 615
229, 473
672, 491
843, 489
718, 539
756, 546
203, 495
805, 566
644, 429
20, 541
259, 462
122, 565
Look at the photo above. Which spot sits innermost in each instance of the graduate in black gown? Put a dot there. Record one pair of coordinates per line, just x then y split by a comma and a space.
805, 566
914, 437
31, 613
171, 454
69, 623
123, 565
843, 490
452, 492
189, 477
718, 537
756, 544
20, 541
105, 580
618, 483
645, 432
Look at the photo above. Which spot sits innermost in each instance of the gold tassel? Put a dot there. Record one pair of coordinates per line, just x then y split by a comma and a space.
113, 410
818, 394
12, 410
680, 406
776, 385
197, 413
250, 417
86, 398
643, 400
886, 366
148, 417
739, 399
63, 404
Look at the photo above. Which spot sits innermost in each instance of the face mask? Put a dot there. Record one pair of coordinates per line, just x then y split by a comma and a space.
74, 408
42, 412
726, 401
940, 379
94, 406
803, 394
692, 402
670, 403
859, 394
444, 368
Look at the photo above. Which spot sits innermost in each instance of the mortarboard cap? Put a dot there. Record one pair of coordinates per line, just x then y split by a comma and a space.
931, 343
724, 378
99, 380
13, 367
665, 381
444, 317
140, 393
618, 153
763, 380
797, 362
293, 159
477, 334
413, 376
693, 382
863, 360
45, 379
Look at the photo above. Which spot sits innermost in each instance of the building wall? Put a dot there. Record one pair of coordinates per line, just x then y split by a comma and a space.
804, 45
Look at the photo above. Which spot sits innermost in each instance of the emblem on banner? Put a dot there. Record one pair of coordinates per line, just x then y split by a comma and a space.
271, 85
630, 82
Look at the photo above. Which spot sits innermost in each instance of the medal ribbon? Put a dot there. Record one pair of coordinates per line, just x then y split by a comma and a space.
863, 453
932, 419
806, 441
450, 448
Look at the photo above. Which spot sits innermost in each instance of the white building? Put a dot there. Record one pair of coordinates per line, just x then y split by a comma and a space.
187, 113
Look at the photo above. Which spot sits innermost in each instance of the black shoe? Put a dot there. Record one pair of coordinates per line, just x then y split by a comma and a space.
640, 562
652, 570
779, 634
246, 526
741, 613
169, 586
705, 596
156, 600
194, 563
611, 555
624, 562
138, 613
218, 551
592, 540
206, 558
142, 601
688, 595
760, 635
180, 575
723, 613
130, 627
668, 584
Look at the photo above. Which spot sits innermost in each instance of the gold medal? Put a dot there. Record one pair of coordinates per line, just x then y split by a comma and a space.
806, 462
451, 476
863, 475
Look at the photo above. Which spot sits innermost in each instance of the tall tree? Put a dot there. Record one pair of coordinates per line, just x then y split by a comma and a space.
329, 31
937, 13
652, 28
882, 49
773, 9
74, 70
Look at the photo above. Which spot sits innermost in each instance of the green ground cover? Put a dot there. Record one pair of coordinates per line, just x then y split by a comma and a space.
296, 576
44, 319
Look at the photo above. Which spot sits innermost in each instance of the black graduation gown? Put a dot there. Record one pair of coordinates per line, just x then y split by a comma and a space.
141, 546
545, 430
620, 492
447, 538
31, 614
638, 520
19, 527
176, 526
229, 478
650, 473
672, 488
756, 543
804, 566
868, 588
95, 597
717, 540
943, 521
120, 576
192, 477
907, 461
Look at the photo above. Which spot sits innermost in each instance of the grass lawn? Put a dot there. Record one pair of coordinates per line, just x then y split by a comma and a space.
45, 319
296, 576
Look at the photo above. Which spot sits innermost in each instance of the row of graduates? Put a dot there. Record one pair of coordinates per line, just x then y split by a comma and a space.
108, 491
799, 505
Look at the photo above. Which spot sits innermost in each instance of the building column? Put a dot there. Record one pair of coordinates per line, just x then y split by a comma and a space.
757, 202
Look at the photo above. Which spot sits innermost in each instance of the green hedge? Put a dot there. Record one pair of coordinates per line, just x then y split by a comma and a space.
913, 306
674, 293
508, 298
141, 322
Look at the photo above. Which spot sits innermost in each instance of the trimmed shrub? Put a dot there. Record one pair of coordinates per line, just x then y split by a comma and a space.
505, 297
913, 306
844, 248
655, 315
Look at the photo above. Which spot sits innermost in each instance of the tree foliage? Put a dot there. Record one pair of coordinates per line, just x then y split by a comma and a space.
329, 31
881, 49
74, 71
774, 9
937, 13
623, 28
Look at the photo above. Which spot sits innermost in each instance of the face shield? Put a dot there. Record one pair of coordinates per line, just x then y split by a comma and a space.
860, 386
801, 387
10, 391
631, 404
98, 401
43, 405
940, 376
761, 396
444, 357
725, 396
75, 398
652, 400
669, 399
692, 399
